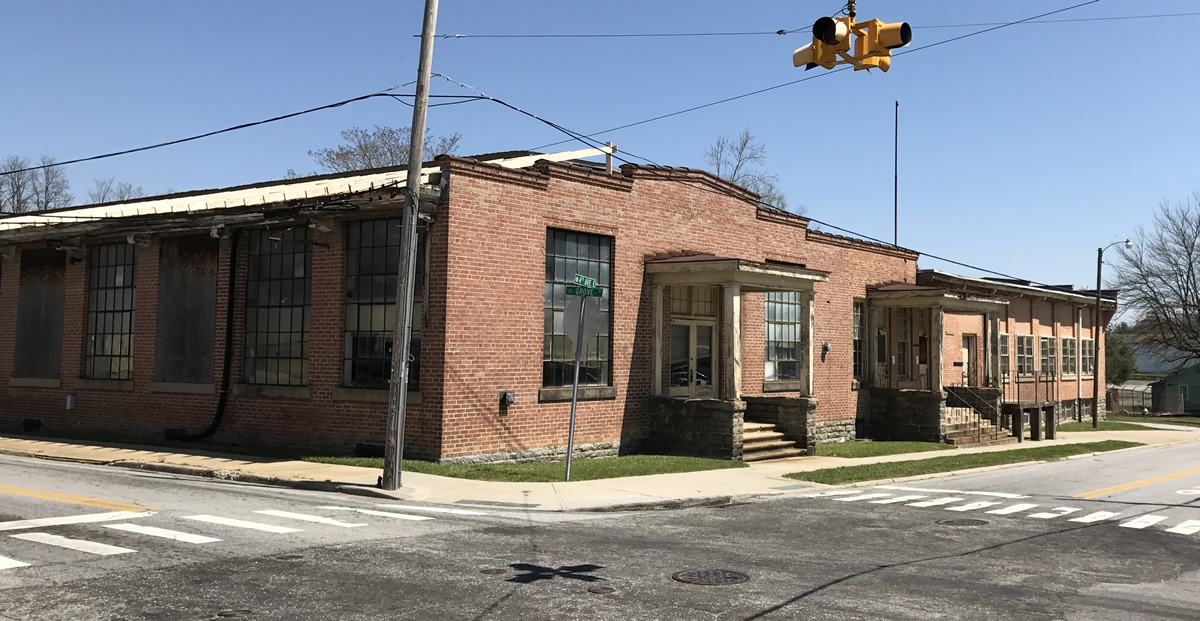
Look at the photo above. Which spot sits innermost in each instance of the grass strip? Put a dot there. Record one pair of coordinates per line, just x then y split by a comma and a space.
550, 472
854, 450
1194, 421
1105, 425
899, 469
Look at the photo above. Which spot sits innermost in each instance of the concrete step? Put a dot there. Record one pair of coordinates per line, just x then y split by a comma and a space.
776, 454
996, 442
766, 445
759, 436
983, 424
980, 439
749, 427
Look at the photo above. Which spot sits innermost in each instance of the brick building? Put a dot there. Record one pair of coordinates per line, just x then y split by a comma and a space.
262, 315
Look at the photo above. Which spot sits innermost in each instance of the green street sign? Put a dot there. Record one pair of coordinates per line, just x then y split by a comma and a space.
584, 281
594, 292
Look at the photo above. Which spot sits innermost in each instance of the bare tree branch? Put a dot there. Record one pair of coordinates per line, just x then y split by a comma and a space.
739, 161
380, 147
110, 190
51, 188
16, 189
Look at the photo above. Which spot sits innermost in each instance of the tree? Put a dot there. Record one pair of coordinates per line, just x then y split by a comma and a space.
379, 147
110, 190
739, 161
1159, 279
1120, 363
50, 187
16, 188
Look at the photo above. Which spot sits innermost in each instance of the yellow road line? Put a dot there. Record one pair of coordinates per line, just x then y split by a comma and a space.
1112, 489
76, 500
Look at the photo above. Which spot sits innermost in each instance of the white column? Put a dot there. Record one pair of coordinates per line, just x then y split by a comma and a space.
656, 322
731, 341
935, 350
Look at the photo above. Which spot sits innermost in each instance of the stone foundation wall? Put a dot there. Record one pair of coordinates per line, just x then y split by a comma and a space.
552, 453
795, 417
830, 431
906, 415
695, 427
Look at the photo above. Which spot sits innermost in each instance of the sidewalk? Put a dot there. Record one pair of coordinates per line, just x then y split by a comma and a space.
710, 487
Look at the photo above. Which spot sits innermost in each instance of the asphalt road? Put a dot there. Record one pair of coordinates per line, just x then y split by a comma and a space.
870, 553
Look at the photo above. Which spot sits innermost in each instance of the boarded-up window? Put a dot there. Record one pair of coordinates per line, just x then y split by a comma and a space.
187, 308
40, 314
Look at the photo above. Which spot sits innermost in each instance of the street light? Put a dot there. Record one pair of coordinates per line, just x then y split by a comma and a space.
1096, 335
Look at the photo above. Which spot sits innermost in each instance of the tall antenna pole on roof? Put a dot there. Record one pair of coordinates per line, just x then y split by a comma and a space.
896, 181
393, 457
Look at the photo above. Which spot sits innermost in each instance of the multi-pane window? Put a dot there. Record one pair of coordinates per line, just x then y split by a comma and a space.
1048, 355
785, 346
109, 352
693, 301
1068, 356
1087, 356
860, 342
903, 322
1004, 357
372, 268
278, 289
569, 253
1024, 355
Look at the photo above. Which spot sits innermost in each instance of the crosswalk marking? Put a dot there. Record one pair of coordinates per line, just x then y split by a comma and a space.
832, 492
971, 506
936, 502
79, 545
434, 509
224, 521
1055, 512
1096, 517
162, 532
1144, 521
861, 497
389, 514
888, 501
73, 519
951, 491
1190, 527
1017, 508
8, 563
310, 518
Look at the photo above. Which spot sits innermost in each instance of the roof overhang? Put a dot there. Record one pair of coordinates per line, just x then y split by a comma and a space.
751, 276
931, 297
994, 287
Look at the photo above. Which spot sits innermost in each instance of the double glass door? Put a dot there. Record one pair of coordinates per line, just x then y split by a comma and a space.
693, 374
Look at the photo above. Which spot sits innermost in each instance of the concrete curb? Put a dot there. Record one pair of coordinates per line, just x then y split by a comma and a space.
667, 504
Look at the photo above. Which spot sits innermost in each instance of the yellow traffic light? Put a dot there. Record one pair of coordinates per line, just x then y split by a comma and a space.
874, 41
830, 37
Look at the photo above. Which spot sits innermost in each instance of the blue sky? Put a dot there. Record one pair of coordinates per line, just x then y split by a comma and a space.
1022, 150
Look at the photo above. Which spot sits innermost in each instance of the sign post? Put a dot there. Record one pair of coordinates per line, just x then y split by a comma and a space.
585, 288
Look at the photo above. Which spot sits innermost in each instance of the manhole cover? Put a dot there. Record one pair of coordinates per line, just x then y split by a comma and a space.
602, 590
710, 577
962, 522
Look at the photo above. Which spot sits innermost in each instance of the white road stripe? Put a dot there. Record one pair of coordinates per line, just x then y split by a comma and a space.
983, 504
399, 516
936, 502
1012, 509
950, 491
79, 545
8, 563
309, 518
162, 532
434, 509
224, 521
1189, 527
833, 492
1095, 517
73, 519
888, 501
861, 497
1144, 521
1053, 513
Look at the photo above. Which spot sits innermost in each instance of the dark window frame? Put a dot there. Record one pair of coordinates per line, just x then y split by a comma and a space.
561, 265
786, 312
276, 301
111, 306
859, 336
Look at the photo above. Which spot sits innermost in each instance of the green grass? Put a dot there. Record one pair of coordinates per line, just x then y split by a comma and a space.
549, 472
898, 469
874, 449
1105, 425
1173, 420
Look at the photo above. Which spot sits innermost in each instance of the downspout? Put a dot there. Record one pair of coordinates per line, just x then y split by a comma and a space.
223, 398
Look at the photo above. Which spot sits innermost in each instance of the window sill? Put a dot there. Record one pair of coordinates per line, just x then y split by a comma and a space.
34, 382
371, 395
104, 384
183, 388
256, 391
586, 393
785, 386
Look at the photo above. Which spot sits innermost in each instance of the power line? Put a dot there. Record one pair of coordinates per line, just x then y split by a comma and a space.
626, 35
812, 77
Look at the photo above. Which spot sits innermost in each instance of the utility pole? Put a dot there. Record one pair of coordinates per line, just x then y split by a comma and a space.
393, 457
896, 181
1096, 379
